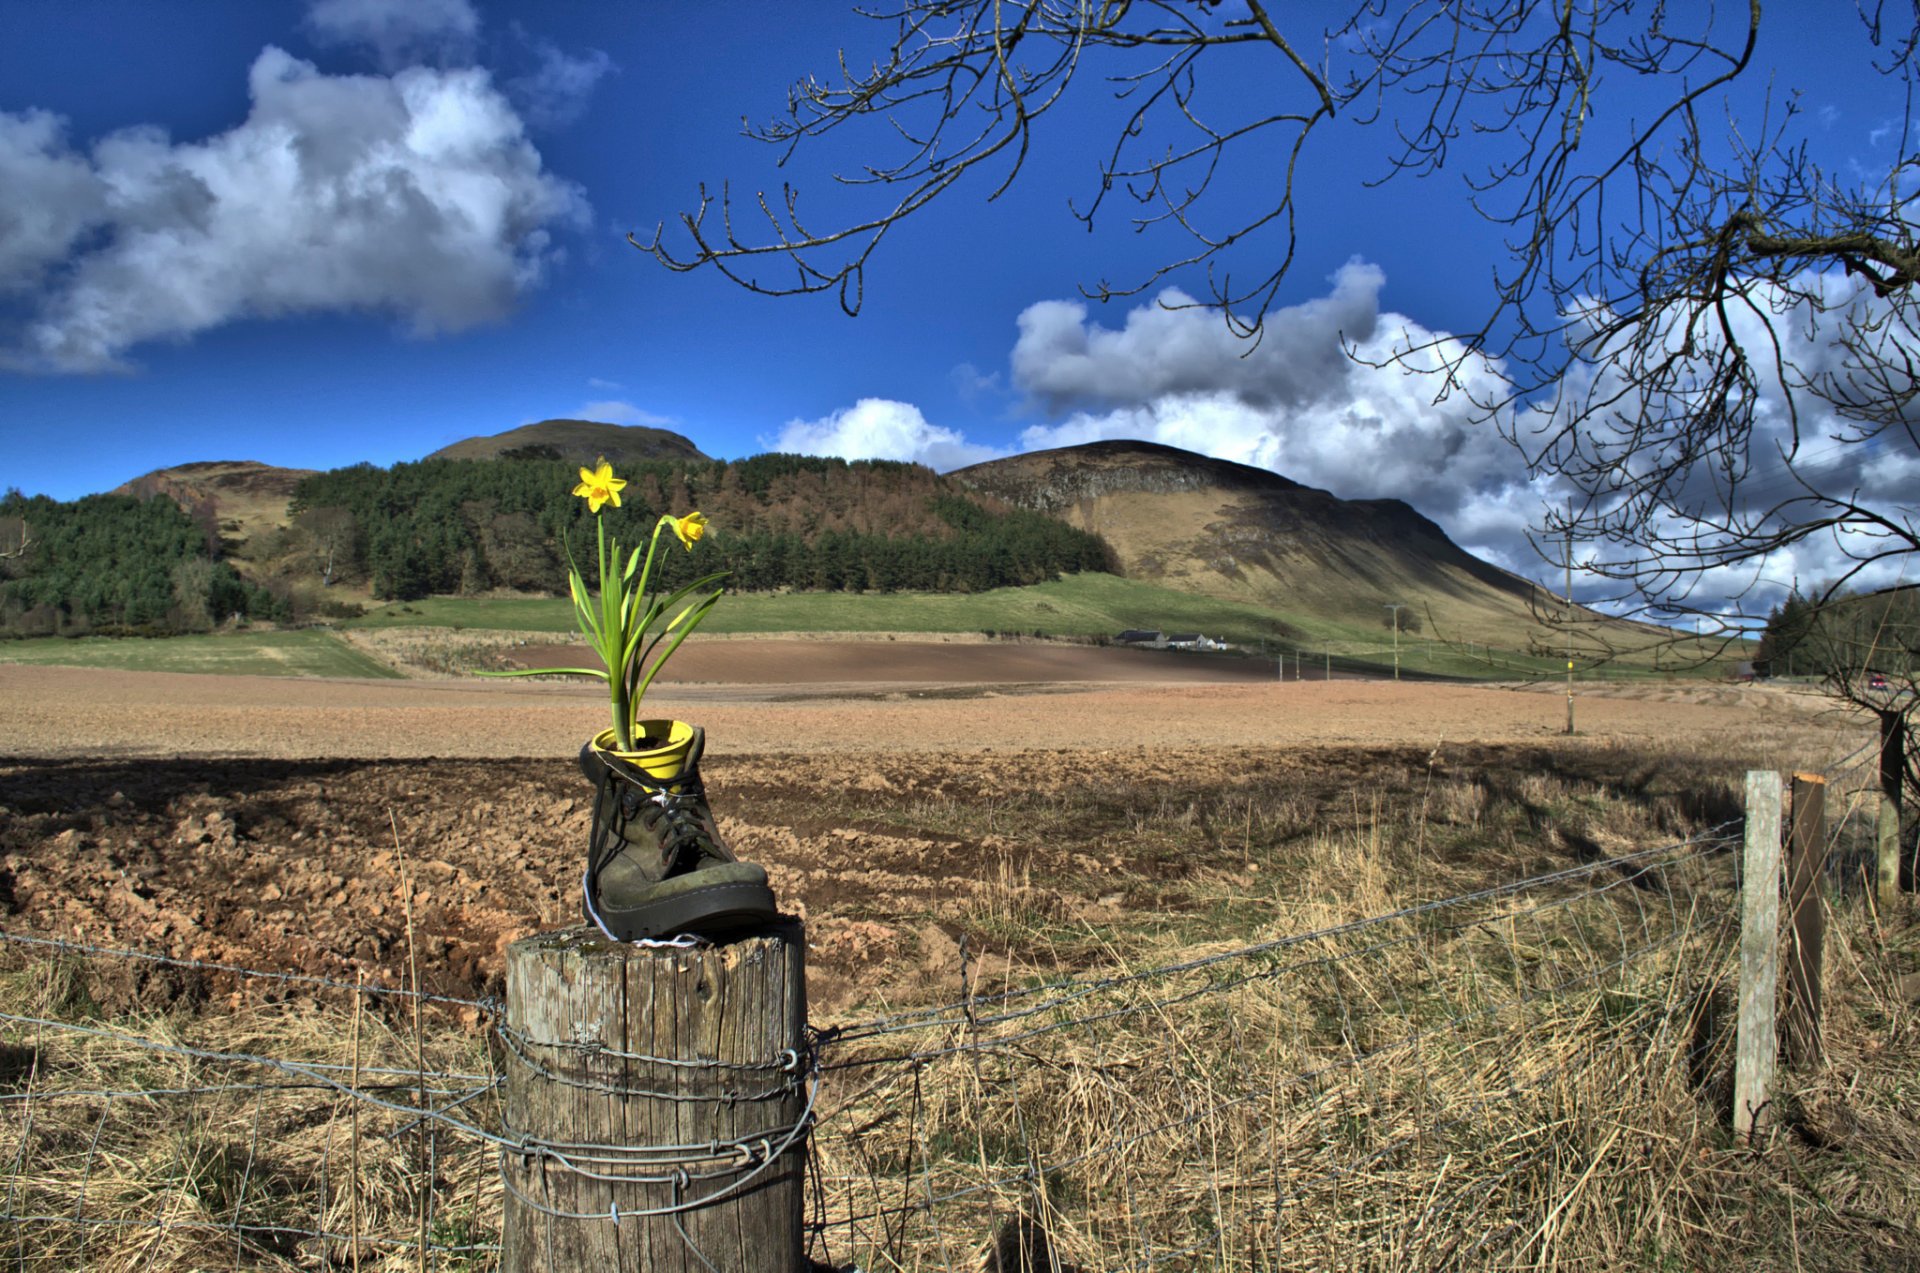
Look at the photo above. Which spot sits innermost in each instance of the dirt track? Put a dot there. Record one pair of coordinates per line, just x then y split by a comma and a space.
254, 820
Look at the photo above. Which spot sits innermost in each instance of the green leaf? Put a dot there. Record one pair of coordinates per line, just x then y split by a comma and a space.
698, 583
698, 612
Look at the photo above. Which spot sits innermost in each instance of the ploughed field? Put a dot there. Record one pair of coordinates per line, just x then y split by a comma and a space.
310, 825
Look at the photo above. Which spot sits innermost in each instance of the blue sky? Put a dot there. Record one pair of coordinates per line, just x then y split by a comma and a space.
446, 258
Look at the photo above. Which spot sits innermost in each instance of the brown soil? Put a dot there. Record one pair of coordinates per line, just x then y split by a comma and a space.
278, 823
799, 660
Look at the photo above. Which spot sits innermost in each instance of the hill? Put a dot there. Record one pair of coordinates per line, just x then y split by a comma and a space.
576, 442
775, 521
1244, 534
238, 500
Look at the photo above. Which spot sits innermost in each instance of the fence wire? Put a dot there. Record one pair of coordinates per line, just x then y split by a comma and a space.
1387, 1086
1375, 1088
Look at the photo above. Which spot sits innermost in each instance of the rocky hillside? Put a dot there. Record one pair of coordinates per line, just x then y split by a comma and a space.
240, 500
577, 442
1228, 530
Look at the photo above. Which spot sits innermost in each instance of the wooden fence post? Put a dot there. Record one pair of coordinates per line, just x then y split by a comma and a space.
660, 1099
1806, 918
1756, 1046
1895, 875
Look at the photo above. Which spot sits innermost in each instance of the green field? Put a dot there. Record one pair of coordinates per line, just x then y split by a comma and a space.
1078, 605
1089, 605
305, 653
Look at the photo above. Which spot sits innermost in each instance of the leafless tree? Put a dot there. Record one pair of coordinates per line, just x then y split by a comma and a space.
1704, 328
14, 544
1675, 267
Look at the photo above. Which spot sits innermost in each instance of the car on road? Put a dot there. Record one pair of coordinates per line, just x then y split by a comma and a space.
1876, 682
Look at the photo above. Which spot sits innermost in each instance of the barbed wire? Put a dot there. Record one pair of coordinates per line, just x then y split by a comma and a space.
754, 1155
966, 1011
1265, 1091
1645, 878
65, 946
1266, 974
1405, 1140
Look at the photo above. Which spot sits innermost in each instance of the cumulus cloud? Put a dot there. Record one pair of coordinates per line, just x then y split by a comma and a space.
617, 411
881, 429
416, 195
53, 198
1364, 426
1177, 346
1841, 346
398, 32
1298, 404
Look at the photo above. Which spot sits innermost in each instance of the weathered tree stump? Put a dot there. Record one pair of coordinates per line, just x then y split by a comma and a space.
658, 1096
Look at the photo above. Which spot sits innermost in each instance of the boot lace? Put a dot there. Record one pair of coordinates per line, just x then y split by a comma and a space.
671, 816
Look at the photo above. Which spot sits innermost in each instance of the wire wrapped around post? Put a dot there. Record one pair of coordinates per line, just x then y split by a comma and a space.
659, 1100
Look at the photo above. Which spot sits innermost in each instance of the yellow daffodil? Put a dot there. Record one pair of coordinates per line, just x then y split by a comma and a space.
599, 486
690, 527
619, 619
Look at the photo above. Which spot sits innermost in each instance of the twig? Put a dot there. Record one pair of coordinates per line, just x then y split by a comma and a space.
425, 1188
353, 1172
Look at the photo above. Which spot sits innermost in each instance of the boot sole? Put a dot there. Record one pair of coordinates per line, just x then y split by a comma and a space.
704, 912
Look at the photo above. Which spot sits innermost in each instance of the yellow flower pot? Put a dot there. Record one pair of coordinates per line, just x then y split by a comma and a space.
660, 749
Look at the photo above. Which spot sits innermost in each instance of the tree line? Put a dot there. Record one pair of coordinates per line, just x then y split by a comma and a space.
1843, 637
776, 521
116, 564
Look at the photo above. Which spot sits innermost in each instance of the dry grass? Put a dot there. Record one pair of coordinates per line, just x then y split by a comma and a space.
146, 1140
1538, 1081
1530, 1080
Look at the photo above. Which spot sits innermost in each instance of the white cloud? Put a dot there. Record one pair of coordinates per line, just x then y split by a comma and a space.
609, 386
1364, 427
616, 411
416, 195
54, 198
971, 383
1176, 345
881, 429
398, 32
1297, 404
556, 91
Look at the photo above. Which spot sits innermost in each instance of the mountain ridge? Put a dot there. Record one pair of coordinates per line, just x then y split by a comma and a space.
1241, 533
577, 442
1196, 523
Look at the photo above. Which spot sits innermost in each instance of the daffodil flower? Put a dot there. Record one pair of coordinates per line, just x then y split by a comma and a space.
599, 486
619, 623
690, 528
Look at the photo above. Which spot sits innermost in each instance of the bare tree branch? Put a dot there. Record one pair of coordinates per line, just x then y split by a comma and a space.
1693, 318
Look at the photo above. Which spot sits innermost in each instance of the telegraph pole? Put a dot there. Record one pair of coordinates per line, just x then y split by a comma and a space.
1395, 608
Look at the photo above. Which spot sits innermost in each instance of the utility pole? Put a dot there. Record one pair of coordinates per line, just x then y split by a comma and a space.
1395, 608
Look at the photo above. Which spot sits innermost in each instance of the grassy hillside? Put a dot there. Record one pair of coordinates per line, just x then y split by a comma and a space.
1238, 533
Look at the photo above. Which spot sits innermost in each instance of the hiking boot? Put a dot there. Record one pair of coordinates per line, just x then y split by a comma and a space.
656, 866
